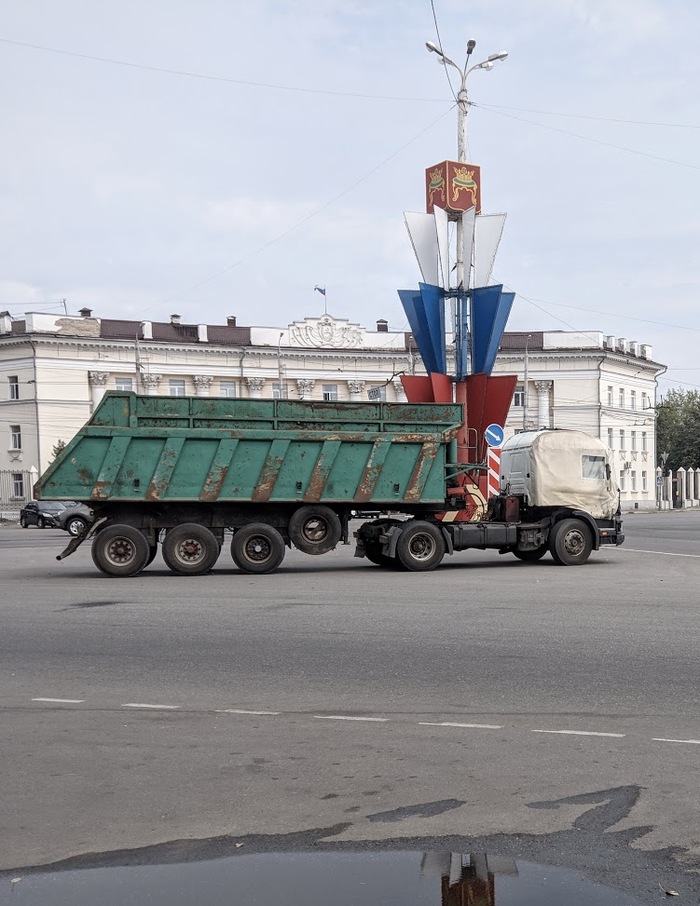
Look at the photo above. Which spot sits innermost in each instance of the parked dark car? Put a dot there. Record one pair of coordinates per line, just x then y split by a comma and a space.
42, 513
75, 519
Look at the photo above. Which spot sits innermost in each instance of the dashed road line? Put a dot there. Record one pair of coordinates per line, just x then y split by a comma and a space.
581, 733
447, 723
636, 550
61, 701
371, 720
152, 706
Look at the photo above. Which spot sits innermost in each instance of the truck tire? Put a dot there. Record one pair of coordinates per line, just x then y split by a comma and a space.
420, 546
190, 549
257, 548
570, 542
120, 550
314, 529
531, 556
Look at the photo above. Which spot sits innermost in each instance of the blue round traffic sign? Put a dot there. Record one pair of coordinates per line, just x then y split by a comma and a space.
493, 435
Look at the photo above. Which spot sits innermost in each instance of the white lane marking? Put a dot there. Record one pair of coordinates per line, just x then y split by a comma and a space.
374, 720
691, 742
241, 711
425, 723
635, 550
580, 733
151, 707
61, 701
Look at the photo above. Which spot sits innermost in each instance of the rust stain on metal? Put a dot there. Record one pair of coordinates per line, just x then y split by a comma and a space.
101, 490
268, 478
416, 482
214, 483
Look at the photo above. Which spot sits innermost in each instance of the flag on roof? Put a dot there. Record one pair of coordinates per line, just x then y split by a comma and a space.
320, 289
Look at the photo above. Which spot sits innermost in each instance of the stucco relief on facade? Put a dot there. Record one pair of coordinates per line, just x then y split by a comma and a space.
325, 332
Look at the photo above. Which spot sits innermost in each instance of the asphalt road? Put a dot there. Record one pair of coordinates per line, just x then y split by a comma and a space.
552, 713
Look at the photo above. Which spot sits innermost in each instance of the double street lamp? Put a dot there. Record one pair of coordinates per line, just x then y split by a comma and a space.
462, 97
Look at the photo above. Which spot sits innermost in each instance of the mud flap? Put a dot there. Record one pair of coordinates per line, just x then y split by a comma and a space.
75, 543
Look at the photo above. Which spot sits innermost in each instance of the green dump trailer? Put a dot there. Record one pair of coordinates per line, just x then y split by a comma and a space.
181, 472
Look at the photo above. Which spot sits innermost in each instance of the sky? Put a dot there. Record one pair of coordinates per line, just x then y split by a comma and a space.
224, 158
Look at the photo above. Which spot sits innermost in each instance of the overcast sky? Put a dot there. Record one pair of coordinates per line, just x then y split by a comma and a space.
224, 157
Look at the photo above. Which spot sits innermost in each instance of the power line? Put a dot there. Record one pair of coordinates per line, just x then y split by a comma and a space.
594, 141
583, 116
301, 222
212, 78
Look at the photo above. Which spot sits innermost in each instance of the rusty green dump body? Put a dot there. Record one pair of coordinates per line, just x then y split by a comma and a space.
205, 450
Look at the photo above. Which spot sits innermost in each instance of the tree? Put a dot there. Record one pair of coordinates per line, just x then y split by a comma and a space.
678, 428
57, 448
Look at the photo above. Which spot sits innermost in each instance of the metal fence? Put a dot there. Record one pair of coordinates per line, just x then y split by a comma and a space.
15, 489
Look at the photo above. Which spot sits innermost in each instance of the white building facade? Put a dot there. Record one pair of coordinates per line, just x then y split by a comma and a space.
55, 370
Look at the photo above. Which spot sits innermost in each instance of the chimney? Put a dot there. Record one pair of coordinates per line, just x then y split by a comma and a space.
231, 321
85, 312
174, 319
382, 326
146, 330
202, 333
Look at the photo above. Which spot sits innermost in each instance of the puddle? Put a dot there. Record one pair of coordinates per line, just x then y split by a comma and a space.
320, 878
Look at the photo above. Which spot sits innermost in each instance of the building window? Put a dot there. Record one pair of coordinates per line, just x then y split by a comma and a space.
124, 384
644, 441
645, 401
18, 485
610, 438
623, 475
622, 398
15, 437
633, 440
622, 439
519, 397
279, 391
633, 399
610, 396
633, 479
13, 387
177, 388
228, 389
645, 486
330, 392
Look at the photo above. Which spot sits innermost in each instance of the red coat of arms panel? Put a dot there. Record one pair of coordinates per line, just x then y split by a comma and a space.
454, 186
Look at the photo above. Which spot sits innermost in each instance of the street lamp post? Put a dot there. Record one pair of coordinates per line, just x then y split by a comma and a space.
462, 109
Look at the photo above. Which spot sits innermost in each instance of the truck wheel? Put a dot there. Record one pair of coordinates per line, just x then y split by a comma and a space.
420, 546
190, 549
531, 556
314, 529
23, 521
120, 550
257, 548
570, 542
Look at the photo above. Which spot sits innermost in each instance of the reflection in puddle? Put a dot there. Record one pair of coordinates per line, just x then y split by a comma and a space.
319, 879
